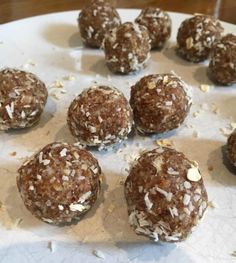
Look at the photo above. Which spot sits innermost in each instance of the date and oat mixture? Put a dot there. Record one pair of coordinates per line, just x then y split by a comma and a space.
196, 36
160, 103
100, 116
165, 195
158, 23
60, 183
231, 148
95, 19
22, 99
222, 67
127, 48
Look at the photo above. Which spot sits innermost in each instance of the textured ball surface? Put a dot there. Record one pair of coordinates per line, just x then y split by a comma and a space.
231, 148
165, 194
95, 19
196, 36
127, 48
60, 183
22, 99
100, 116
160, 103
222, 65
158, 24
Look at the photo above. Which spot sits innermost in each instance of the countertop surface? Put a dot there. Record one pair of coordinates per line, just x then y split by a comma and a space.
11, 10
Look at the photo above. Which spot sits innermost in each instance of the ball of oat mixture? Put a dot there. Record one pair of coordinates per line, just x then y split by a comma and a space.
196, 36
127, 48
165, 194
231, 148
100, 116
22, 99
158, 24
95, 19
222, 65
160, 103
60, 183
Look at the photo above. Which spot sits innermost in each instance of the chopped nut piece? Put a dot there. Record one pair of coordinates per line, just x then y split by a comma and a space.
210, 168
233, 254
195, 114
69, 77
193, 174
211, 204
13, 153
17, 222
152, 85
57, 84
233, 125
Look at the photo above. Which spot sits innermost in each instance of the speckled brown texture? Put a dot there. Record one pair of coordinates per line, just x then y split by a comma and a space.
222, 65
231, 148
22, 99
158, 24
127, 48
160, 103
95, 19
60, 183
162, 203
196, 36
100, 116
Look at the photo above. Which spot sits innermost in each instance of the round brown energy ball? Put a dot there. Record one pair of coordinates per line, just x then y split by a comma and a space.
127, 48
100, 116
231, 148
160, 103
22, 99
60, 183
196, 36
222, 65
165, 194
95, 20
158, 24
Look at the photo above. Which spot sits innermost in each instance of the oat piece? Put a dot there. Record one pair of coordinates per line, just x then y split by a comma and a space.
222, 65
158, 24
231, 148
162, 203
100, 116
196, 36
127, 48
160, 103
60, 183
95, 20
22, 99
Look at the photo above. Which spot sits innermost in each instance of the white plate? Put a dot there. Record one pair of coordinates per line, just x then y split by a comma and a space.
53, 43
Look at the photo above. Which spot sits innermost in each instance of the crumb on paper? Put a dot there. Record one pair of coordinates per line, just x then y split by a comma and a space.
195, 114
13, 154
51, 246
233, 254
57, 84
16, 222
204, 88
189, 126
47, 133
69, 77
111, 208
98, 254
215, 109
31, 62
233, 125
210, 168
1, 42
211, 204
164, 143
54, 95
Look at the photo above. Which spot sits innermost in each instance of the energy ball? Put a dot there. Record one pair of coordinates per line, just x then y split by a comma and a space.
196, 36
231, 148
95, 20
165, 194
158, 24
22, 99
160, 103
222, 65
100, 116
60, 183
127, 48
